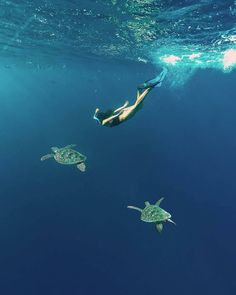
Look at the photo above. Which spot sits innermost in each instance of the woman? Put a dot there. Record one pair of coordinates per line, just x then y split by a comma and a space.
111, 118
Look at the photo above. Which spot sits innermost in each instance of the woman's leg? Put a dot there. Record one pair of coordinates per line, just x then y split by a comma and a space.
142, 92
141, 96
131, 110
127, 112
147, 86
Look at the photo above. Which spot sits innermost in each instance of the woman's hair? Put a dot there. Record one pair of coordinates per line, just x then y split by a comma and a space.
104, 115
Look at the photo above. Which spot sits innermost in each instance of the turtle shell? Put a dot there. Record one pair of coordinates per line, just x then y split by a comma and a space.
68, 156
154, 213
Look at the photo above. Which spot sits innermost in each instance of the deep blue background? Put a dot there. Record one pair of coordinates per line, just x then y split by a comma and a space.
65, 232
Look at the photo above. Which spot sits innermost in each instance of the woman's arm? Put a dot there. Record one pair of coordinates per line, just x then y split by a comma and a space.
111, 118
121, 108
117, 113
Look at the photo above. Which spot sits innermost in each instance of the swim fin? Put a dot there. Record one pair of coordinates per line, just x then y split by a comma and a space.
156, 82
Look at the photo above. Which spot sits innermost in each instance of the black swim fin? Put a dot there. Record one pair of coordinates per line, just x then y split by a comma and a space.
155, 82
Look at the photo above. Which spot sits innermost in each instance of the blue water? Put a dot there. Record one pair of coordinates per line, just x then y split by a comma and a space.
67, 232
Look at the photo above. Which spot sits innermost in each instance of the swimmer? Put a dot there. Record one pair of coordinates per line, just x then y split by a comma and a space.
111, 118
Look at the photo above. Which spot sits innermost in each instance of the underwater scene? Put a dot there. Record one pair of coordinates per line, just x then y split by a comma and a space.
118, 147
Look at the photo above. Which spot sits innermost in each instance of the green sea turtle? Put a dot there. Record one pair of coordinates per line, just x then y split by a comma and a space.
67, 156
153, 213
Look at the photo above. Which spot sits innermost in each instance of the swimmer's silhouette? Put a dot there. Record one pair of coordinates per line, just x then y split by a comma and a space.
111, 118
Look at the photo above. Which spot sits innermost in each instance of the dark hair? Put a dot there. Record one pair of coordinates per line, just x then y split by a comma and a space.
104, 115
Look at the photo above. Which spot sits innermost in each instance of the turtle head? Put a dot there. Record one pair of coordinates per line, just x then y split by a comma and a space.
55, 149
165, 215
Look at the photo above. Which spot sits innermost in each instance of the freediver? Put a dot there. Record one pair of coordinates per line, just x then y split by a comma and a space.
111, 118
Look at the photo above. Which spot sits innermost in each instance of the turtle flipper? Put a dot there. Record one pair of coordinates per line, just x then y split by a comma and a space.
159, 202
159, 227
135, 208
81, 167
70, 146
147, 203
171, 221
48, 156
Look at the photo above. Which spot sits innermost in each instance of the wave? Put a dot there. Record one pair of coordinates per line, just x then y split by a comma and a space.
177, 34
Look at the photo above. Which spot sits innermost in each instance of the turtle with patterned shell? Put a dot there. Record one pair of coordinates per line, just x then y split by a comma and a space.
154, 214
67, 156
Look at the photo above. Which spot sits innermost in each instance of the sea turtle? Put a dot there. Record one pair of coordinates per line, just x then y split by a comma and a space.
153, 213
67, 156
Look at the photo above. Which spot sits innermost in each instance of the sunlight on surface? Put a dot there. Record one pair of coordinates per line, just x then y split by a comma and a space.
229, 59
170, 59
194, 55
182, 66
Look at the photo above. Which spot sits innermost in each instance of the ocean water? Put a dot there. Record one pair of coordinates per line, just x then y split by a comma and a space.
67, 232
